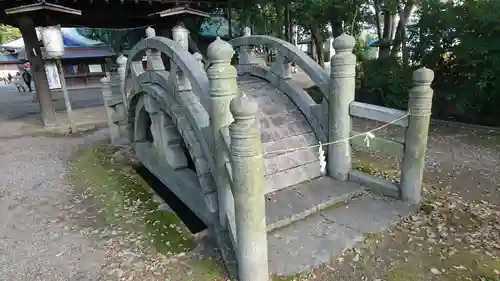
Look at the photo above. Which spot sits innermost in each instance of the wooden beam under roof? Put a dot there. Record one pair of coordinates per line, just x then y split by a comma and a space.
42, 6
181, 10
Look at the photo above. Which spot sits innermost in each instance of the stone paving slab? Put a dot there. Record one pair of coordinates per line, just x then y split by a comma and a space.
295, 203
317, 239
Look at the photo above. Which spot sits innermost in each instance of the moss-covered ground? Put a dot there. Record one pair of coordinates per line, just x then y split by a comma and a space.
450, 239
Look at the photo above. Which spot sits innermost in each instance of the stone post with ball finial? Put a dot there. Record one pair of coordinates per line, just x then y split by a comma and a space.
247, 164
342, 90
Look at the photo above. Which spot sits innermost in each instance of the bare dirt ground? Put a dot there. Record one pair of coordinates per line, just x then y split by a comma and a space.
456, 235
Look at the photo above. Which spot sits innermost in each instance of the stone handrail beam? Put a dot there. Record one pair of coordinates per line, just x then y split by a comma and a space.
184, 60
226, 139
377, 113
412, 149
391, 147
317, 74
229, 171
278, 74
226, 147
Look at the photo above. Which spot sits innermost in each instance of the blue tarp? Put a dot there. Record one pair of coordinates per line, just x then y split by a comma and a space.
9, 59
371, 41
70, 43
218, 26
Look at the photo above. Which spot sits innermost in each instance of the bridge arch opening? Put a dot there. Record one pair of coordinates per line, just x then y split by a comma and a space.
144, 132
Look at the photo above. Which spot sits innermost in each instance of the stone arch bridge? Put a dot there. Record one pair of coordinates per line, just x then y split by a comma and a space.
239, 146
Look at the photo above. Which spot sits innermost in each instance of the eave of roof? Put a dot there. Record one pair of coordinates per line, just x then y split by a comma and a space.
77, 52
125, 13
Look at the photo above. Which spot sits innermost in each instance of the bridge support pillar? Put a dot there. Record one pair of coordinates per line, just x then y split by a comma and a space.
419, 106
342, 90
247, 54
153, 57
181, 35
248, 190
223, 88
122, 66
34, 55
115, 113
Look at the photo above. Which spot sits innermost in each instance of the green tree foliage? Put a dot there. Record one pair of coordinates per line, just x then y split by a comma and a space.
8, 33
119, 40
459, 41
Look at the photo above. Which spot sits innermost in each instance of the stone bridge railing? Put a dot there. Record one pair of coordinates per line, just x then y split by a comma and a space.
279, 74
331, 120
226, 125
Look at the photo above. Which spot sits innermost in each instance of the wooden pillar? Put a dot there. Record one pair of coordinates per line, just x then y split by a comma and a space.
34, 55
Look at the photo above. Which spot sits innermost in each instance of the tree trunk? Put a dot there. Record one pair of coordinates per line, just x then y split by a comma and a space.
279, 22
377, 19
384, 50
314, 54
406, 52
288, 24
336, 28
229, 21
318, 40
401, 29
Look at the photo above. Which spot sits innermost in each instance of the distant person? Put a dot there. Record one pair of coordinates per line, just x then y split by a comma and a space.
27, 77
2, 77
18, 81
9, 77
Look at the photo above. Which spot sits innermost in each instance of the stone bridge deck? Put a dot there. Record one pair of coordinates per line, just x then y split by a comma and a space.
283, 127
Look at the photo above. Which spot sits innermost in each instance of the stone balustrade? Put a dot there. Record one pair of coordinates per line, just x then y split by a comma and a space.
233, 134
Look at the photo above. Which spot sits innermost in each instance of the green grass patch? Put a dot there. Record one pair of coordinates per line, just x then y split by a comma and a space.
122, 199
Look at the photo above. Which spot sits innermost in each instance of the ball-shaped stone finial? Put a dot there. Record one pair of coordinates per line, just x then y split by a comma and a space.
243, 107
423, 76
220, 50
104, 80
344, 43
121, 60
150, 32
247, 31
180, 28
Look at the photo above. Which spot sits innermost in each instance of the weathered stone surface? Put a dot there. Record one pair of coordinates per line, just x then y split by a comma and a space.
286, 49
309, 243
283, 127
248, 188
292, 204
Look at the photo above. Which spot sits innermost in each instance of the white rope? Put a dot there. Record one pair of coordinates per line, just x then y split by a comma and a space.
369, 134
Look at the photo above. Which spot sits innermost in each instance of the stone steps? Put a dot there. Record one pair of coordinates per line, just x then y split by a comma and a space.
286, 206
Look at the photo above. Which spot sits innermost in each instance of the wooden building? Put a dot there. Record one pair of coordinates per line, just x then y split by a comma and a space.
9, 64
28, 14
84, 61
